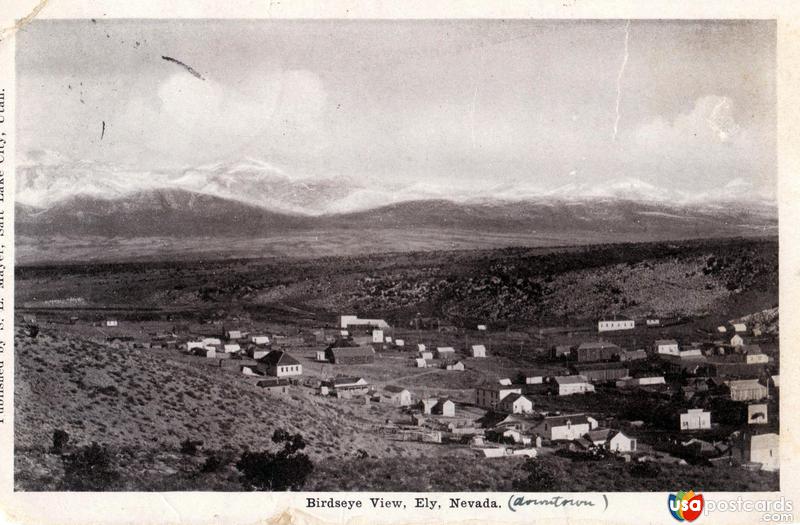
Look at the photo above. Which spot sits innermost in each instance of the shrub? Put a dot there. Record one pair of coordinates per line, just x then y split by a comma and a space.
190, 446
90, 468
286, 469
60, 439
540, 477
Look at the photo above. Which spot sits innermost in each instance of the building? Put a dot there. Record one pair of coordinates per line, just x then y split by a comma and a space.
601, 372
275, 386
256, 352
231, 348
599, 437
666, 347
615, 323
260, 340
395, 395
596, 351
111, 322
652, 322
279, 364
516, 404
233, 334
569, 385
689, 353
427, 404
695, 419
444, 408
458, 366
747, 390
478, 351
321, 355
505, 381
739, 328
421, 347
400, 343
421, 363
350, 355
191, 345
426, 355
347, 321
209, 352
533, 377
488, 396
562, 351
445, 352
632, 355
762, 449
377, 336
757, 414
563, 427
345, 387
212, 341
619, 442
737, 340
634, 382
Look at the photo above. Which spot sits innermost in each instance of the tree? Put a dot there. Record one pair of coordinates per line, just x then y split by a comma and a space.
90, 468
286, 469
540, 477
60, 439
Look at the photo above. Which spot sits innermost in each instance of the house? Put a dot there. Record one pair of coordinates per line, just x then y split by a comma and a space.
275, 386
504, 381
601, 372
321, 355
482, 327
634, 382
458, 366
111, 322
350, 355
737, 340
427, 404
695, 419
421, 363
260, 340
652, 322
444, 408
516, 404
445, 352
569, 385
762, 449
396, 395
562, 351
632, 355
345, 387
621, 443
279, 364
209, 352
533, 377
516, 435
420, 348
231, 335
757, 414
747, 390
488, 396
596, 351
400, 343
231, 348
754, 355
388, 339
568, 427
599, 437
721, 329
739, 328
478, 351
689, 353
212, 341
191, 345
666, 347
347, 321
377, 336
615, 323
256, 352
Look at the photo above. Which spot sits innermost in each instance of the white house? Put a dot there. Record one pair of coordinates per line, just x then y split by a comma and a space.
764, 449
505, 381
737, 340
232, 348
388, 339
666, 347
445, 352
757, 414
621, 443
482, 327
354, 320
377, 336
260, 340
569, 385
488, 396
516, 404
400, 342
445, 408
112, 322
739, 327
396, 395
233, 334
421, 363
212, 341
458, 366
426, 355
695, 419
478, 351
190, 345
563, 427
421, 347
615, 323
280, 364
722, 329
321, 355
653, 322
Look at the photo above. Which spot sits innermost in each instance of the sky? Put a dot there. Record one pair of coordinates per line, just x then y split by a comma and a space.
680, 104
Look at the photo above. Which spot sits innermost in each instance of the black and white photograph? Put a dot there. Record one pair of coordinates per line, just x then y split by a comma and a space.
473, 255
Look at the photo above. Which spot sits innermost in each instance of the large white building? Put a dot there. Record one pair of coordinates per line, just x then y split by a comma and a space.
615, 323
695, 419
354, 320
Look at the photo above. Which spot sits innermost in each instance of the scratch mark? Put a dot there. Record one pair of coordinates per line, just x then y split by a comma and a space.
103, 130
19, 24
472, 115
619, 78
188, 68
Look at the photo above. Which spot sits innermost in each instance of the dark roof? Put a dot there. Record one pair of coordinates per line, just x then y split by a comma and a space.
616, 318
599, 366
350, 351
575, 419
344, 380
267, 383
567, 380
278, 358
659, 342
393, 388
513, 397
597, 345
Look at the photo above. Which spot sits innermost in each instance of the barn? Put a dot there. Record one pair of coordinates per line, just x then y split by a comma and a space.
350, 355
